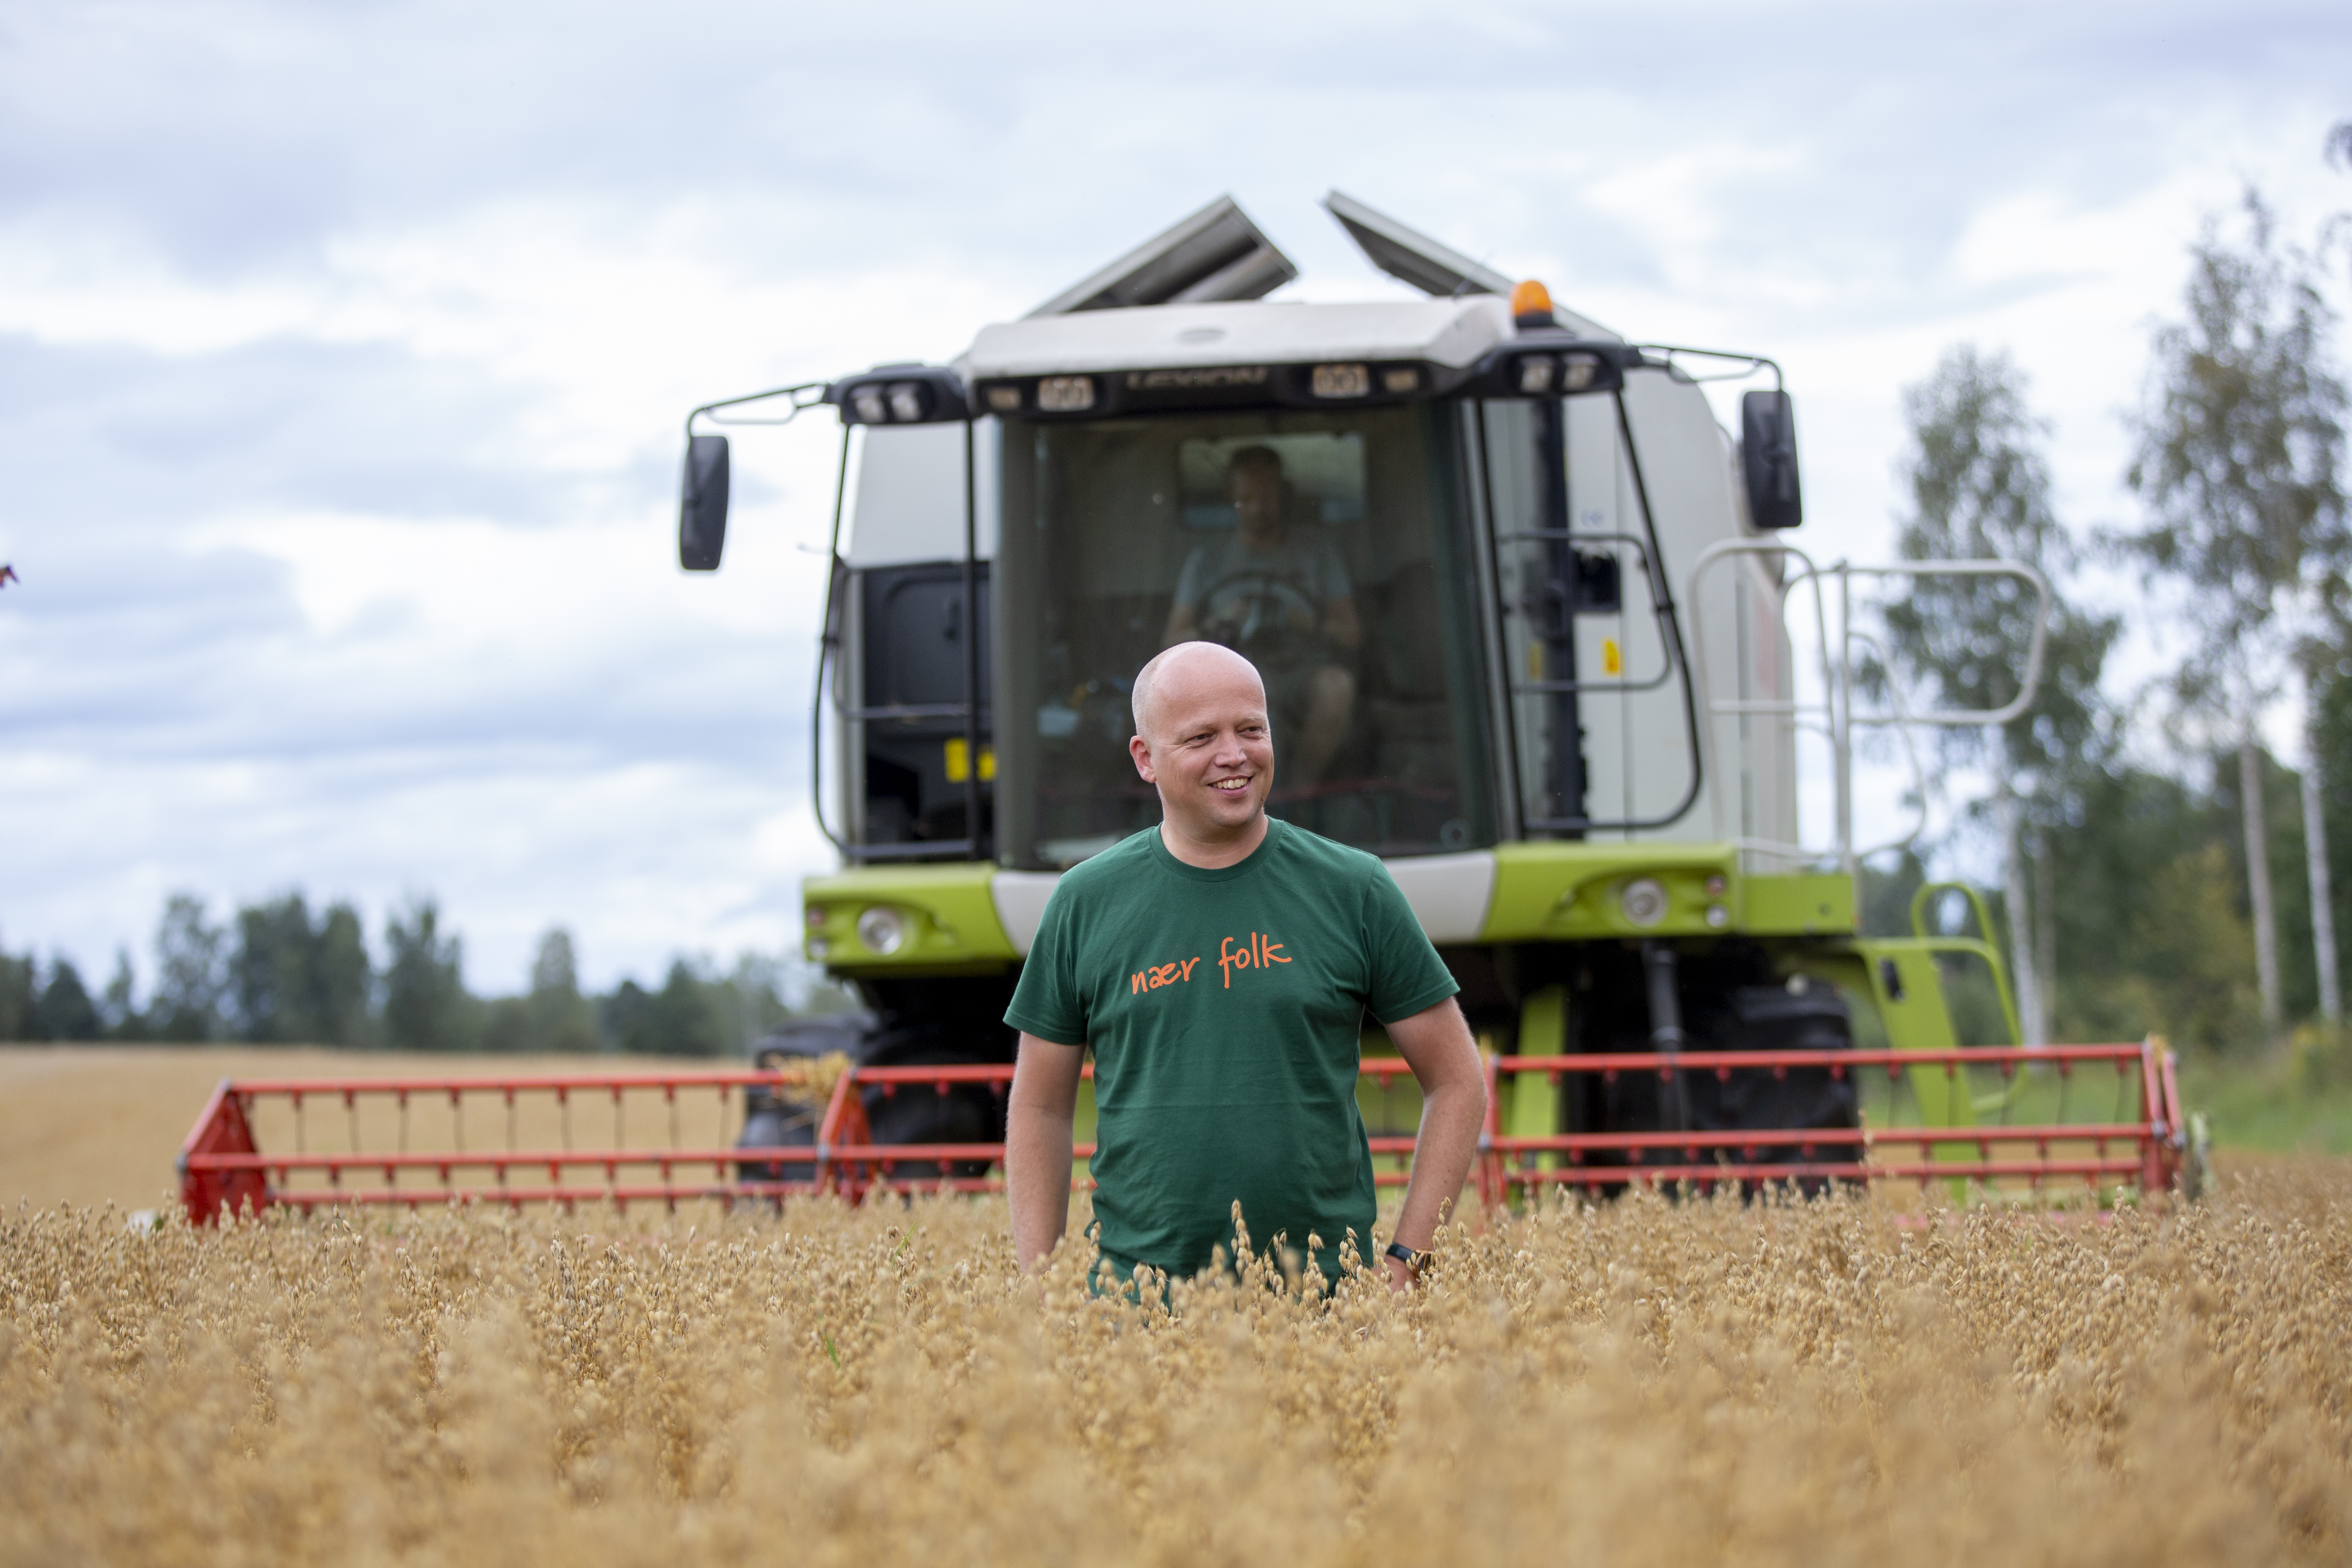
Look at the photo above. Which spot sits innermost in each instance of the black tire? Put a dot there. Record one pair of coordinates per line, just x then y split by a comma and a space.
1810, 1017
919, 1113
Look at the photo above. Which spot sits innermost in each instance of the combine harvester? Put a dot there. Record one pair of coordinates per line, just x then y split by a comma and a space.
1527, 614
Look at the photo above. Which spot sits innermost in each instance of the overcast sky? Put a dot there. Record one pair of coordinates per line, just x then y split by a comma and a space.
344, 351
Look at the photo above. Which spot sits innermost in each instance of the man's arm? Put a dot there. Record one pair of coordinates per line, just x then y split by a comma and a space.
1435, 1043
1037, 1116
1183, 619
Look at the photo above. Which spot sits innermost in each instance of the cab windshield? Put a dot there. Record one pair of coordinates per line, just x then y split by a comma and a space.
1327, 548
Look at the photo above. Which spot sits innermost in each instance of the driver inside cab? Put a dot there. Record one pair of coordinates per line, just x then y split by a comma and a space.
1279, 597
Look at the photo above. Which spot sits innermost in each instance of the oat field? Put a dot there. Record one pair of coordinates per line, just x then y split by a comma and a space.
1641, 1383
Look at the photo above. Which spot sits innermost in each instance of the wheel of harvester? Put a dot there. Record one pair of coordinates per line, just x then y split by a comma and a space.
1803, 1014
1730, 1001
937, 1023
919, 1113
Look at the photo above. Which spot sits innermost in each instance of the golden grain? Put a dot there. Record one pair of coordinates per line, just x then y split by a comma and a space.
1644, 1383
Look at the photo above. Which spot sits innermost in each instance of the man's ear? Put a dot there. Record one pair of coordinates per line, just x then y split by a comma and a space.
1140, 750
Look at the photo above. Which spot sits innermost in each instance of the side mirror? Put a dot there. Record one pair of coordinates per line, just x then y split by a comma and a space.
1767, 459
702, 504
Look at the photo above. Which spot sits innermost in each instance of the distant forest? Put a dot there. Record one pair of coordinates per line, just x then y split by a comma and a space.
279, 974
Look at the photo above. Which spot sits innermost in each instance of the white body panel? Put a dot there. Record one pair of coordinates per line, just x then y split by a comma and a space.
1449, 893
1020, 898
906, 499
1454, 332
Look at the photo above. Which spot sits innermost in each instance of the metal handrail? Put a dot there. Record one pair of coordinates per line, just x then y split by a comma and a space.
1835, 712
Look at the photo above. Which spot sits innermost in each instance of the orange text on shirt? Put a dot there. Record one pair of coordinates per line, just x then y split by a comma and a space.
1256, 954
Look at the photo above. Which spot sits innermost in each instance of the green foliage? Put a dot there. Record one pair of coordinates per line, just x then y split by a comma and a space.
1979, 490
293, 980
552, 1016
293, 977
65, 1011
191, 980
118, 1007
2239, 459
2153, 934
16, 994
425, 1005
684, 1018
2293, 1105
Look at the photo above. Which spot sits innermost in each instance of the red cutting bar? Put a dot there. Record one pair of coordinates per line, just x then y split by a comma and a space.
222, 1166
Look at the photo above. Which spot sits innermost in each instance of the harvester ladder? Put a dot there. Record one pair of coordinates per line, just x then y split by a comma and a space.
1834, 716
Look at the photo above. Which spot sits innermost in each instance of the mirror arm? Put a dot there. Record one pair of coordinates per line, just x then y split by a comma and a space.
1752, 363
798, 404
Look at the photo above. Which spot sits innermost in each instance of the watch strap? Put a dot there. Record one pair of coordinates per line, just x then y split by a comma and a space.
1416, 1261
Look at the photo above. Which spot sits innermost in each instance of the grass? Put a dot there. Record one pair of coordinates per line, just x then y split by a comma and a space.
2268, 1106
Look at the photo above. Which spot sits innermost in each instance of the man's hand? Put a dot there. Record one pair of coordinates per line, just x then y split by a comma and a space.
1436, 1044
1037, 1154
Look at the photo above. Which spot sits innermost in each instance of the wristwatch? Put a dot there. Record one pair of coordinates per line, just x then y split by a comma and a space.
1416, 1261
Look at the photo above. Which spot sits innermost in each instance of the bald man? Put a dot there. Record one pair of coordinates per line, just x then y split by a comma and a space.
1220, 966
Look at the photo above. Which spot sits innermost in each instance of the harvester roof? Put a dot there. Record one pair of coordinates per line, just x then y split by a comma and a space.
1454, 332
1194, 298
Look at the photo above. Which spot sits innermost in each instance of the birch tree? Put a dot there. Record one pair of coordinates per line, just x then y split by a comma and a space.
1978, 488
2239, 445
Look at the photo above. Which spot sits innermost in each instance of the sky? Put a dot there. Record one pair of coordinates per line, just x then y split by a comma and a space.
345, 352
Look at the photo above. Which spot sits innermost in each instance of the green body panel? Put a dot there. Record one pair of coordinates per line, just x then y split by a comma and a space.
1532, 1105
1918, 1021
953, 927
1543, 892
1903, 980
1795, 905
1563, 891
1574, 891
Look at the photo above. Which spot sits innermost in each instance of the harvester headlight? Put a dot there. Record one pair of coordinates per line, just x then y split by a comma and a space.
1643, 901
1004, 399
907, 402
1577, 371
1066, 394
1401, 380
1341, 380
882, 930
867, 402
1718, 917
1536, 374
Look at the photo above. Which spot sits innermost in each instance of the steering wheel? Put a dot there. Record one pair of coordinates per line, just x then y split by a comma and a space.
1260, 591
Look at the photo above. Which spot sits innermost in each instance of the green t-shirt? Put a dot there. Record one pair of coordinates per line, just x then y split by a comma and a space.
1224, 1009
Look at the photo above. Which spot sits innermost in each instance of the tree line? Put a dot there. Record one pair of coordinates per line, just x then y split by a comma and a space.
277, 972
2160, 869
